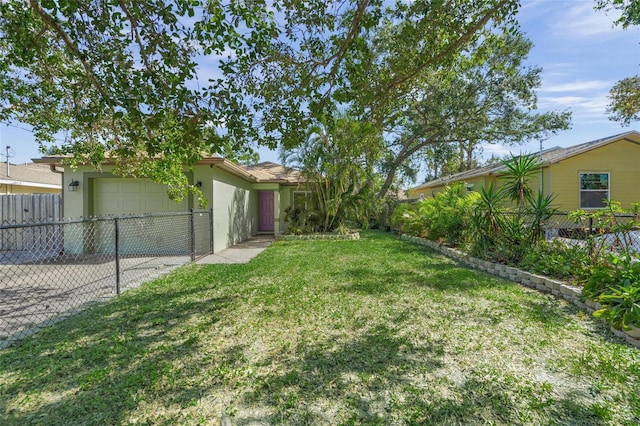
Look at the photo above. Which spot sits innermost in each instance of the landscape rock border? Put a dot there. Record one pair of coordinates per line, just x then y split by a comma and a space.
346, 237
557, 288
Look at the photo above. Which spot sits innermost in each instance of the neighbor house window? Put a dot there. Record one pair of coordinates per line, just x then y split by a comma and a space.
594, 190
302, 200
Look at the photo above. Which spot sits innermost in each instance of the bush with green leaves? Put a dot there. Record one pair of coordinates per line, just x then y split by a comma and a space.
301, 221
405, 219
614, 270
441, 218
615, 284
557, 259
446, 215
509, 220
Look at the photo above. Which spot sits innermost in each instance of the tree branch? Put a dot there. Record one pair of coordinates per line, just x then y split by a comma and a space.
51, 23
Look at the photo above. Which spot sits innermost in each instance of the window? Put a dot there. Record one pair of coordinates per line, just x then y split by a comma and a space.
594, 190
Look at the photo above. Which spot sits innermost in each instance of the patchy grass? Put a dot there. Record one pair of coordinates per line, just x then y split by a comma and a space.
375, 331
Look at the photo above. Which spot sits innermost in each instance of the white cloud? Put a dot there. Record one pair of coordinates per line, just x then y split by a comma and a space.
582, 21
578, 86
582, 106
489, 149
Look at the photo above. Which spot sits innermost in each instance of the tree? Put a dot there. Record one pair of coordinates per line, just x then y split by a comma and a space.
487, 95
625, 94
630, 10
122, 78
338, 171
328, 54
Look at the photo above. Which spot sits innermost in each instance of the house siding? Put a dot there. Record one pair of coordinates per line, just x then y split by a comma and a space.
26, 189
619, 159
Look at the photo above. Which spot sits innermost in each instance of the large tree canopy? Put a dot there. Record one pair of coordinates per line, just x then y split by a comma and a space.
130, 77
486, 95
158, 83
121, 77
327, 53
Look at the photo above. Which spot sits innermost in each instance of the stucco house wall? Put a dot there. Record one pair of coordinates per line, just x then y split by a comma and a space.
235, 208
231, 192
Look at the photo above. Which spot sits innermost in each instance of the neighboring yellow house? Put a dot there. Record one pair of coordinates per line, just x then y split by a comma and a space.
29, 178
580, 177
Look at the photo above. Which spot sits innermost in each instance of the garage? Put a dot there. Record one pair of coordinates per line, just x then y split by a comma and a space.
162, 235
118, 196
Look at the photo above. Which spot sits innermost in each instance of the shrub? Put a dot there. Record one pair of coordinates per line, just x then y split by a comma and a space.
405, 220
301, 221
447, 214
557, 259
616, 286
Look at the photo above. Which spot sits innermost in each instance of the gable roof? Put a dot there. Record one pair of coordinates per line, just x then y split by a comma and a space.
549, 156
30, 174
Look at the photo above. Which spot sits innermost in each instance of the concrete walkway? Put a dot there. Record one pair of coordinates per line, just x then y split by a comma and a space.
240, 253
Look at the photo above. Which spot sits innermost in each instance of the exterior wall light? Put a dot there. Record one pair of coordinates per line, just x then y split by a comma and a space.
73, 185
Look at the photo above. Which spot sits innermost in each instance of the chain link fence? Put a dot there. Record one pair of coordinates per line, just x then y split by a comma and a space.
565, 226
615, 232
51, 270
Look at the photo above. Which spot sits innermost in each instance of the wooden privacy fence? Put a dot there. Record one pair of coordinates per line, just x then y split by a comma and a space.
30, 208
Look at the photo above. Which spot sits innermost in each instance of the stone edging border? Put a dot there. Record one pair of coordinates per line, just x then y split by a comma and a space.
559, 289
351, 236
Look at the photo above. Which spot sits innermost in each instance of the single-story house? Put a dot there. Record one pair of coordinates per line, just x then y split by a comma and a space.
29, 178
245, 200
580, 177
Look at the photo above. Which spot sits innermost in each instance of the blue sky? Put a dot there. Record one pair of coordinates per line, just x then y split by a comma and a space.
582, 56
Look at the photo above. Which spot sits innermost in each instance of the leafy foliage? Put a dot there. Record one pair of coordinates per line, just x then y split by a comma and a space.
508, 221
557, 259
485, 95
334, 162
117, 79
625, 94
446, 215
625, 100
616, 286
405, 219
519, 170
125, 79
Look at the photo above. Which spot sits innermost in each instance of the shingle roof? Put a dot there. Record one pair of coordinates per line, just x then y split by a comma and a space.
549, 156
272, 172
266, 171
29, 173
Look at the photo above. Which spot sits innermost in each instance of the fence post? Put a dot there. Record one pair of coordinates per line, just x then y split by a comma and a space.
193, 236
117, 253
211, 229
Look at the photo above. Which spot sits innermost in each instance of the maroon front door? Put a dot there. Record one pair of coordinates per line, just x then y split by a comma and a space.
266, 219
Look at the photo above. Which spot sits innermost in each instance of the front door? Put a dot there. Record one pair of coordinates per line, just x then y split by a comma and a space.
266, 218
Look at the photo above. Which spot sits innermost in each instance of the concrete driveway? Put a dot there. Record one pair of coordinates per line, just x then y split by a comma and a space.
36, 291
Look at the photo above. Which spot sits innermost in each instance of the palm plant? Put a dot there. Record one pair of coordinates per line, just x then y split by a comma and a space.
333, 168
516, 177
486, 221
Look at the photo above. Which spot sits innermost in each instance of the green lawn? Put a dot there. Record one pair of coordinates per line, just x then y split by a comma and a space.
375, 331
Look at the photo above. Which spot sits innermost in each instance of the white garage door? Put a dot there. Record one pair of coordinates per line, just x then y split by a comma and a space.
118, 196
